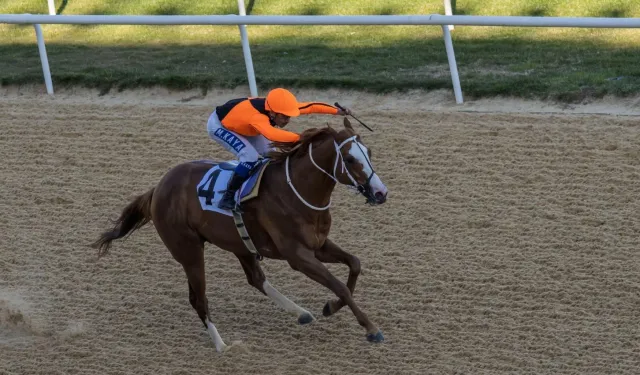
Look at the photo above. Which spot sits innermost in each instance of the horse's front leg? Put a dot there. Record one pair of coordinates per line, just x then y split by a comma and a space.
256, 278
304, 260
332, 253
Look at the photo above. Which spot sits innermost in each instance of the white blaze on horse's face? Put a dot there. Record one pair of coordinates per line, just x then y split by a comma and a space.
361, 153
358, 158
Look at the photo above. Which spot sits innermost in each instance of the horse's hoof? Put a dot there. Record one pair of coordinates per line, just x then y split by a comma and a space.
378, 337
305, 318
326, 311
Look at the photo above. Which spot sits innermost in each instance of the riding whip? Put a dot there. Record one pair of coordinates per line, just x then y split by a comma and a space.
362, 123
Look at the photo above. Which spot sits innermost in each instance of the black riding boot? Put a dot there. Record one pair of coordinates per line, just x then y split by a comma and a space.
228, 201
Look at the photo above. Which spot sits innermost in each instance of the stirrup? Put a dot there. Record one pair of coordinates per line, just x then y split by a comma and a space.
227, 199
229, 203
235, 208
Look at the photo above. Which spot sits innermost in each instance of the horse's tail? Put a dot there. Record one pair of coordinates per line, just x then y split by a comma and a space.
134, 216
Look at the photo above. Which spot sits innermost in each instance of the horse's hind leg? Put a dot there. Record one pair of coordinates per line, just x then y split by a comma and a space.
188, 250
193, 299
256, 278
197, 285
332, 253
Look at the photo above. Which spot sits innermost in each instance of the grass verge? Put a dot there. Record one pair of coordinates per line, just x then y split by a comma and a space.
562, 64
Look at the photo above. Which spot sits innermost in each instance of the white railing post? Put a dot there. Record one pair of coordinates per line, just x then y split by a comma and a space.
44, 59
448, 11
453, 67
52, 8
246, 50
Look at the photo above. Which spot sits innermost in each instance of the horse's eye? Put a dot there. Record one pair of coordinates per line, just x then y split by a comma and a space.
350, 159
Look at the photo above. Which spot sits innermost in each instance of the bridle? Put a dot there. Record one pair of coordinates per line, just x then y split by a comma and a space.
362, 188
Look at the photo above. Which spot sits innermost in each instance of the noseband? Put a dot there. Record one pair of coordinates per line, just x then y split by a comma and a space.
361, 188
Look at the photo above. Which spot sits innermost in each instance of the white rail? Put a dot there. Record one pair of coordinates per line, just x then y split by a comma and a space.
242, 20
416, 20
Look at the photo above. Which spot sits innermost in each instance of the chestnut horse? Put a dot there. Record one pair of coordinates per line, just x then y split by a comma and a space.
288, 220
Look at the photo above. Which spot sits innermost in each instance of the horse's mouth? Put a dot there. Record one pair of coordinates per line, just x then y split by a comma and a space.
375, 199
380, 198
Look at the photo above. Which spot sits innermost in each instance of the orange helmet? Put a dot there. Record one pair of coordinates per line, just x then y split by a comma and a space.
282, 101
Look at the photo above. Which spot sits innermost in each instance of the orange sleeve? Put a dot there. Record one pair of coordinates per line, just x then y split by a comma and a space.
317, 107
261, 123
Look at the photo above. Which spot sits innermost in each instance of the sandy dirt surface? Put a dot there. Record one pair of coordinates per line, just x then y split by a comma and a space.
509, 243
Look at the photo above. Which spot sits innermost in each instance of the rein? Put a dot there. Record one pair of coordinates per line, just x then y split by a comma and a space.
335, 166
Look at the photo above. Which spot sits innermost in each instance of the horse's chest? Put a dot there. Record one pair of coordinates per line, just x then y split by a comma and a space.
324, 225
318, 232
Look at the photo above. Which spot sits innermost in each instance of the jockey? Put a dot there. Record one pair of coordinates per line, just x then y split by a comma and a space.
246, 127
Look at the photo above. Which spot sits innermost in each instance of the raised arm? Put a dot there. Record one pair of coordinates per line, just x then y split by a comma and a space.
262, 125
317, 107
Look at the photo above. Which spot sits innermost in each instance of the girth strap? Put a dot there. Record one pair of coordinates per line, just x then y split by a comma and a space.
244, 235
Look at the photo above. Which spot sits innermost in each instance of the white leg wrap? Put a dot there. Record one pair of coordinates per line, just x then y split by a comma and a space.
215, 336
283, 301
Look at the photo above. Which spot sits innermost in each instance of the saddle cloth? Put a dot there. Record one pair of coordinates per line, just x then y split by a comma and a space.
211, 187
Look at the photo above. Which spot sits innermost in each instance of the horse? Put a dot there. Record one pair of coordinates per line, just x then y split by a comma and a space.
289, 220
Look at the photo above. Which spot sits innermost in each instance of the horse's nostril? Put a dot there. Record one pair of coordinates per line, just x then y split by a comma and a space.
381, 197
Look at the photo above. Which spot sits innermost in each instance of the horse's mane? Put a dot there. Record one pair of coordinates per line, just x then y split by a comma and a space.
284, 149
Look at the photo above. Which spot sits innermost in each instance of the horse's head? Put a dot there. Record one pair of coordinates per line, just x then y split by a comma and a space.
357, 168
350, 159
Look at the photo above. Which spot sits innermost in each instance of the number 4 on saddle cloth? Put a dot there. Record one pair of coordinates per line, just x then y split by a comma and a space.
213, 184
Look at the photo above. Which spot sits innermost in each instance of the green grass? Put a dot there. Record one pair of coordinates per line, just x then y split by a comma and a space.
557, 63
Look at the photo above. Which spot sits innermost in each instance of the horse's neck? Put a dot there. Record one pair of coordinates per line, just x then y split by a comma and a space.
310, 182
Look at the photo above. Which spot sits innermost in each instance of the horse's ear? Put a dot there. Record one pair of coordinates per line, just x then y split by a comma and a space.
347, 124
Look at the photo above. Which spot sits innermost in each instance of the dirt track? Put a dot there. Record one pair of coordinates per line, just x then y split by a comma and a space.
509, 244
